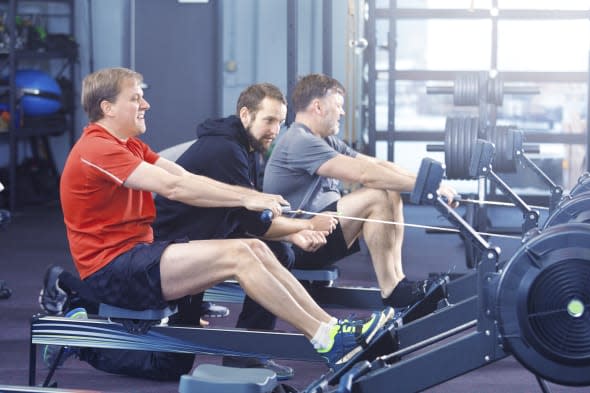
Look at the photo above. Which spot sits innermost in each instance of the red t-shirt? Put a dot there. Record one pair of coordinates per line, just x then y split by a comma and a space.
103, 218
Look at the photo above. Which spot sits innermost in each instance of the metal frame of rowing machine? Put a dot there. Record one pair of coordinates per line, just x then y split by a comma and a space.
468, 352
103, 333
469, 312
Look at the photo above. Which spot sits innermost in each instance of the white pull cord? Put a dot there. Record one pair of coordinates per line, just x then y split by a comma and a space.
495, 203
443, 229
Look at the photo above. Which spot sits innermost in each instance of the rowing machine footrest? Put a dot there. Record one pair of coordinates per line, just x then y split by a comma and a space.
135, 321
481, 158
428, 180
329, 274
212, 378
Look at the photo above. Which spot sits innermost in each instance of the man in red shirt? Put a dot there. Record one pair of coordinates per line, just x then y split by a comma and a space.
106, 195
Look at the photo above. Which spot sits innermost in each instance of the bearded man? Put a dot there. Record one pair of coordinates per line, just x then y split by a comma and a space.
230, 150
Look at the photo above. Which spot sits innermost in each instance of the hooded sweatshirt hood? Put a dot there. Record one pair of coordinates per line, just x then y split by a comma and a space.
225, 127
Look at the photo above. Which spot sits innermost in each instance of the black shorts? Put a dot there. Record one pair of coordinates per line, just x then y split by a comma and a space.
132, 280
334, 250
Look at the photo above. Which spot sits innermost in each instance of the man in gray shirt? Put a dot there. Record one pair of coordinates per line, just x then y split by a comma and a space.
306, 167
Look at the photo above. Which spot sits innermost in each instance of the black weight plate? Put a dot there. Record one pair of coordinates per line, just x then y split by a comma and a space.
448, 147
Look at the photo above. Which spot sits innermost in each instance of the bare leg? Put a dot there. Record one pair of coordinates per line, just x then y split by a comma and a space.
398, 216
381, 239
193, 267
292, 285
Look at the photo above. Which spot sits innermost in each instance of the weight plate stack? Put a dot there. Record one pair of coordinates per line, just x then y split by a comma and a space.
496, 90
507, 140
466, 89
460, 137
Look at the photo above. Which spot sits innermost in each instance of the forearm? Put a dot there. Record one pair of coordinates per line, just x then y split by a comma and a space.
198, 190
205, 192
387, 176
409, 178
282, 227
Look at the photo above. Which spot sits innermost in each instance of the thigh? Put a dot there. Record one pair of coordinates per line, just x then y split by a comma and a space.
359, 203
193, 267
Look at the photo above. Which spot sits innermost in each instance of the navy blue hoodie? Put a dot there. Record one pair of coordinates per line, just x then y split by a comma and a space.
221, 152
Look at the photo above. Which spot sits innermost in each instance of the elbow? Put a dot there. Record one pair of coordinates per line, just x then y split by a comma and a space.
364, 179
171, 189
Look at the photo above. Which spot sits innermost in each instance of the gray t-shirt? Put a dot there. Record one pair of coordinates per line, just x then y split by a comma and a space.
291, 168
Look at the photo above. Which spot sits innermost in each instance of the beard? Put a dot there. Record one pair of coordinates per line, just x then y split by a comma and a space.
256, 144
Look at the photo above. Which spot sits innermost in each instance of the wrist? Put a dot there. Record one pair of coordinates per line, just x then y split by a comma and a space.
307, 225
242, 201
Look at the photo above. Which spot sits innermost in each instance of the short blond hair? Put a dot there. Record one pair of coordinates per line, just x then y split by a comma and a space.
103, 85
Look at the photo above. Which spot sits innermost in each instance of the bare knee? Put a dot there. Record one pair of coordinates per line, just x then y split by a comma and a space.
246, 258
257, 246
379, 200
395, 199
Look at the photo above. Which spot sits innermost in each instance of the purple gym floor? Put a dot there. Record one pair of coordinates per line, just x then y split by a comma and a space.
36, 239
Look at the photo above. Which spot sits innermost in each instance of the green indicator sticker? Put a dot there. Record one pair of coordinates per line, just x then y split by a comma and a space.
575, 308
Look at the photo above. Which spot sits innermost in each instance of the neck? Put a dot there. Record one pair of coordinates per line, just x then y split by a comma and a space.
112, 130
306, 120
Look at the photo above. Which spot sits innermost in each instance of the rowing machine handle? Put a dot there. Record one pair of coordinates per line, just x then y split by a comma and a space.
267, 216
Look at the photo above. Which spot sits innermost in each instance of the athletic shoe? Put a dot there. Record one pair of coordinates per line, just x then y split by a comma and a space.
5, 292
212, 310
405, 294
349, 338
4, 218
52, 298
283, 372
366, 325
51, 353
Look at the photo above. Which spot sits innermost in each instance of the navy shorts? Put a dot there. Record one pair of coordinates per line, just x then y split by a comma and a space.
334, 250
132, 280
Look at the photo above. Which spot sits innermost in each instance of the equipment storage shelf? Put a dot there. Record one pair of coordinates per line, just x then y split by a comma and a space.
38, 58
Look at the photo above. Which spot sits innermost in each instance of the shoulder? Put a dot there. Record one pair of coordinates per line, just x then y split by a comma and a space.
297, 138
218, 145
97, 144
213, 150
341, 146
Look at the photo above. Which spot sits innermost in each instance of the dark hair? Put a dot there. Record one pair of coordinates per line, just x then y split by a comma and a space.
313, 86
253, 95
103, 85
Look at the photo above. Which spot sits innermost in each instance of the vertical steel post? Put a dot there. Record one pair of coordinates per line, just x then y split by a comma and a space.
292, 53
327, 37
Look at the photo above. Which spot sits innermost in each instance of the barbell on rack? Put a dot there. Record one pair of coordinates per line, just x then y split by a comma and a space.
473, 88
461, 134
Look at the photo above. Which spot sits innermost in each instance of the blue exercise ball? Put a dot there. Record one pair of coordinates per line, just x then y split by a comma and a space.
41, 94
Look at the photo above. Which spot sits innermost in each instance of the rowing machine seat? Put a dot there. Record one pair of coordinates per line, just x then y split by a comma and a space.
137, 322
328, 274
211, 378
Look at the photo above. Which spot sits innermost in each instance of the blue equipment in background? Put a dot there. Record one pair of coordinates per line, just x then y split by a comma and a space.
39, 93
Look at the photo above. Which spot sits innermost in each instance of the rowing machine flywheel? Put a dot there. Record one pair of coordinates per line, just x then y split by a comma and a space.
543, 304
571, 209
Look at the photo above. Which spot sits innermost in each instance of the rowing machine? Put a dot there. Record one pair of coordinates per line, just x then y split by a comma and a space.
117, 328
534, 308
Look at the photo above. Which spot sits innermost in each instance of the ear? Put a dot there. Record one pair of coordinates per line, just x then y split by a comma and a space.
244, 116
316, 106
106, 107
